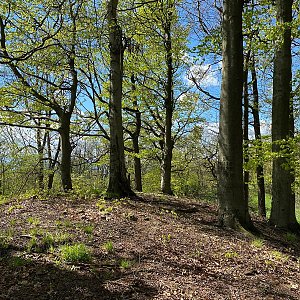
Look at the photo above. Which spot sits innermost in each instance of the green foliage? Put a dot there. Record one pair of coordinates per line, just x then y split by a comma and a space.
17, 261
32, 245
107, 206
87, 187
14, 207
108, 247
258, 243
166, 238
231, 254
277, 255
126, 264
34, 221
66, 223
253, 202
75, 253
88, 229
41, 241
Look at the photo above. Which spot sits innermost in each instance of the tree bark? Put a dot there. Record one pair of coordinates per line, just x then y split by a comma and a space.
256, 123
135, 141
246, 127
40, 150
66, 151
233, 210
119, 185
166, 166
283, 196
52, 161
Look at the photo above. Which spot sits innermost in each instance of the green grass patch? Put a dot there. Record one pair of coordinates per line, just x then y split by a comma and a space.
17, 262
75, 253
34, 221
230, 255
88, 229
125, 263
258, 243
109, 247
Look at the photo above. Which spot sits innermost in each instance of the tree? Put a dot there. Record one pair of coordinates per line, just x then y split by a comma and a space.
118, 182
257, 132
161, 39
46, 69
233, 209
283, 196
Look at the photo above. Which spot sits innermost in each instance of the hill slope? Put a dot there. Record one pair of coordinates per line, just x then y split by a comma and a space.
151, 247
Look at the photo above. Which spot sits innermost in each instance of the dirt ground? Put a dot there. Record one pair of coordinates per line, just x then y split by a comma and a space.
150, 247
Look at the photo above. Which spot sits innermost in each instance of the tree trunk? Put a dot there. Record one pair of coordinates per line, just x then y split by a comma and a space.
166, 166
283, 197
40, 150
66, 151
52, 161
135, 141
119, 184
233, 210
260, 168
246, 128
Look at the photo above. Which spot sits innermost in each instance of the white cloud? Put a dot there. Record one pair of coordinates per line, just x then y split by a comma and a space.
203, 75
212, 129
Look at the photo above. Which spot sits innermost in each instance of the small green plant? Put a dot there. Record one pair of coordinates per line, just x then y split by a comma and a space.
66, 223
17, 261
13, 207
48, 240
104, 208
6, 237
230, 255
269, 262
88, 229
75, 253
258, 243
277, 255
62, 237
108, 246
35, 231
34, 221
4, 242
13, 222
125, 264
51, 249
166, 238
32, 244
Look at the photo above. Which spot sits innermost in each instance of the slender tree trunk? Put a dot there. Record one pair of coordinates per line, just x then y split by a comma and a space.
283, 197
40, 150
166, 166
233, 210
246, 128
52, 162
260, 168
135, 141
66, 151
119, 184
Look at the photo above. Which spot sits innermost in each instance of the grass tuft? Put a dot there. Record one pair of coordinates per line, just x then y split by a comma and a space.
75, 253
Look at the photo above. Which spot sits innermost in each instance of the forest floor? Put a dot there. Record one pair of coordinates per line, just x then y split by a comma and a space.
151, 247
